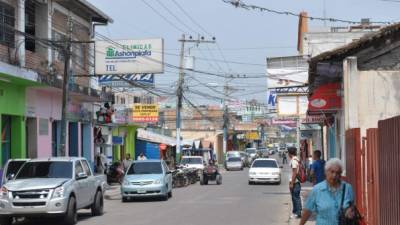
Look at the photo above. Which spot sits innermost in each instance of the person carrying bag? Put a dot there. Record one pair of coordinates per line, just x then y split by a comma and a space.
350, 215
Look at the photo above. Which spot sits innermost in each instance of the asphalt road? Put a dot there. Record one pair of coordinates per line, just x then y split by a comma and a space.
234, 203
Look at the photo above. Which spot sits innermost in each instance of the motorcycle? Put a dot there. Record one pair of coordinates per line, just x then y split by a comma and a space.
115, 173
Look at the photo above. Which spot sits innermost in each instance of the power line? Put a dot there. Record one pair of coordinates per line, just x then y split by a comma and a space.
241, 4
165, 19
191, 18
177, 18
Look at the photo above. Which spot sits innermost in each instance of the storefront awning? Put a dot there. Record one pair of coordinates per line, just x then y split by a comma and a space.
145, 135
325, 98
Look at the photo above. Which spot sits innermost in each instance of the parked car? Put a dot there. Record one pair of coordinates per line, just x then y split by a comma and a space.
147, 178
245, 159
234, 163
265, 170
52, 187
195, 162
251, 152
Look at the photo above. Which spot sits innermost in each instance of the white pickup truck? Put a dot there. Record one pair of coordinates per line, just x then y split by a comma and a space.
51, 187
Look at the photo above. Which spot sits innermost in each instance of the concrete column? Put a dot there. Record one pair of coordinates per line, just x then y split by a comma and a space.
49, 32
351, 90
20, 45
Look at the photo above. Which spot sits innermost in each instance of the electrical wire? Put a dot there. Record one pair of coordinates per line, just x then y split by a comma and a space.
241, 4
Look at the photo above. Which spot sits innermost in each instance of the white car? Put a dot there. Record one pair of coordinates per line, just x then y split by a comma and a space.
234, 163
265, 170
195, 162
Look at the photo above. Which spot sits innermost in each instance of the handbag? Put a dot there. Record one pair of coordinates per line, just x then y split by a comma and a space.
343, 220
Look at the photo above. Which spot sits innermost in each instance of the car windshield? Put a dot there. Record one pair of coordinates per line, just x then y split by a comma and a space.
234, 159
265, 163
191, 161
13, 167
45, 170
251, 151
145, 168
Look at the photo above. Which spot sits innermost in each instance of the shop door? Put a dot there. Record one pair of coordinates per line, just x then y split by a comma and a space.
73, 139
86, 141
31, 137
55, 137
5, 138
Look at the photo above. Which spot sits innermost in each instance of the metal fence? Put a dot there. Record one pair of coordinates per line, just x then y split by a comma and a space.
388, 171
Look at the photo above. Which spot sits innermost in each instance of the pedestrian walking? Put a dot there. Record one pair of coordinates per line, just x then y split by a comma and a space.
284, 159
328, 198
294, 183
317, 168
141, 156
127, 162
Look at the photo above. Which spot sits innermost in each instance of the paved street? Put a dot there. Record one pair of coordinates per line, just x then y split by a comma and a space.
234, 203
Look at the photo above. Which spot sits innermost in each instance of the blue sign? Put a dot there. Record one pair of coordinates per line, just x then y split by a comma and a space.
272, 100
116, 81
117, 140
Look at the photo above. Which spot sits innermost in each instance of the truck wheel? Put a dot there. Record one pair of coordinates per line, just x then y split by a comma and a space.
201, 179
219, 179
71, 217
98, 204
5, 220
170, 194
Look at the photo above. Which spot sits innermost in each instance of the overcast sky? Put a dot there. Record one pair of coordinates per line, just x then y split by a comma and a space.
244, 36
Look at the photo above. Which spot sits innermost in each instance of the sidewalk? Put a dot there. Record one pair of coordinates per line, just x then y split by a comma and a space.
305, 189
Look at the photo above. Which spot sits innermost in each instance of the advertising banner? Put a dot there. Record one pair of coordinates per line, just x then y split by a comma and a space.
129, 56
145, 113
116, 81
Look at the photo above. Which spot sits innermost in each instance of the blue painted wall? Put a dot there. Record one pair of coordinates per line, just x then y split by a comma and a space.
151, 150
332, 142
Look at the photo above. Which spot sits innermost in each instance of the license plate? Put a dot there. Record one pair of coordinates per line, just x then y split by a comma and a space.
141, 191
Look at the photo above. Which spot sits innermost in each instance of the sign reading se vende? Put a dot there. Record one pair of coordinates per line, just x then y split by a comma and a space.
129, 56
145, 113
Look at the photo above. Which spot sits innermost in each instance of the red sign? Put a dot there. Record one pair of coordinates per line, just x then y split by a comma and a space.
325, 98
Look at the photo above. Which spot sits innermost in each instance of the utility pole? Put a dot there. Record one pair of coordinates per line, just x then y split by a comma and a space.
226, 119
67, 69
179, 92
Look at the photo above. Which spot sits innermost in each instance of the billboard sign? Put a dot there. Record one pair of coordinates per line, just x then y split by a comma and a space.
116, 81
287, 71
129, 56
145, 113
292, 105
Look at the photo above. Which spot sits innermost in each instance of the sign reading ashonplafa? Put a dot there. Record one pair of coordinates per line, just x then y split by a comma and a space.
129, 56
145, 113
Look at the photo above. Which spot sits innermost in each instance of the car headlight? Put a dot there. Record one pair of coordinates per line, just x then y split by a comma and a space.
125, 182
3, 192
275, 173
157, 182
58, 192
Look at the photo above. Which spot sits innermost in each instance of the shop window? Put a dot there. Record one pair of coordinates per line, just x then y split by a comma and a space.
30, 25
7, 23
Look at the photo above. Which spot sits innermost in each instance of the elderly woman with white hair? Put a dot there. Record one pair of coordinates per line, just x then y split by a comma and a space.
330, 196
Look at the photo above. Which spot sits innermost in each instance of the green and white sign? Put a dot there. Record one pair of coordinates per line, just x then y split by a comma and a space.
129, 56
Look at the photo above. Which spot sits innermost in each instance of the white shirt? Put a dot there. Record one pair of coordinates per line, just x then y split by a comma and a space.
294, 164
141, 157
